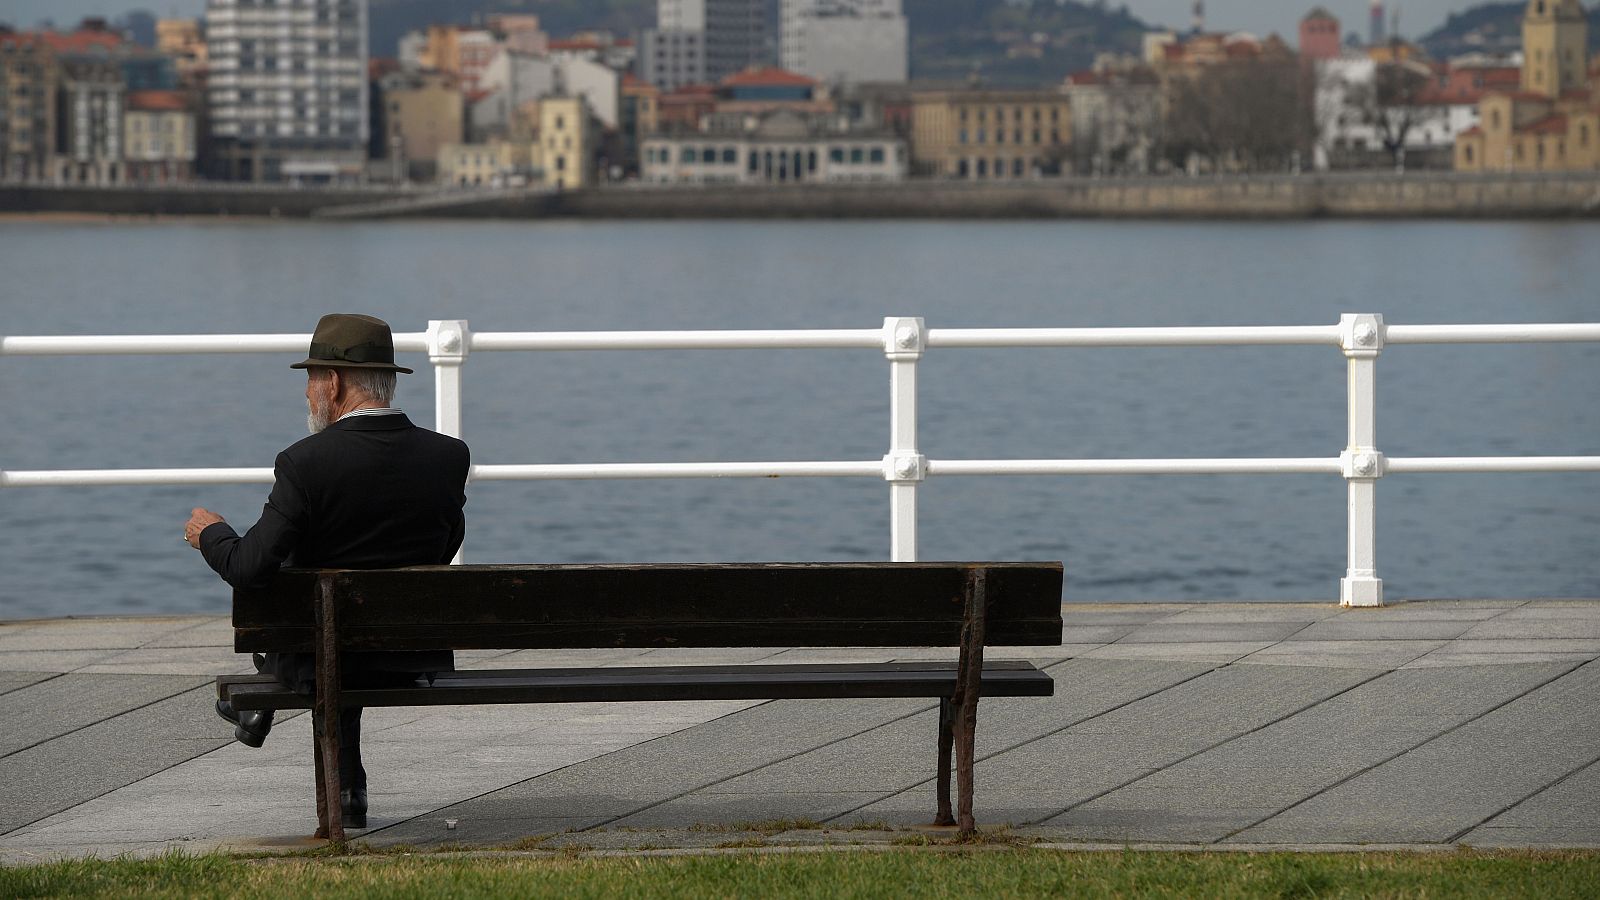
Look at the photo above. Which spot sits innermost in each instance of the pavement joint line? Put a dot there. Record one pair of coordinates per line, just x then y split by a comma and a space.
53, 677
977, 759
119, 787
1394, 756
117, 715
1531, 794
1227, 740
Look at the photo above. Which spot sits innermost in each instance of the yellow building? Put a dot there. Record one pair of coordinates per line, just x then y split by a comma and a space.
158, 137
423, 112
1553, 123
988, 134
495, 164
566, 144
181, 40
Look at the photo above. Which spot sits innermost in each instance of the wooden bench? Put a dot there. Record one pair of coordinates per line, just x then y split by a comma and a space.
965, 605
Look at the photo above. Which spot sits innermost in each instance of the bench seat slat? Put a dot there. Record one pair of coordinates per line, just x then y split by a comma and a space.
641, 683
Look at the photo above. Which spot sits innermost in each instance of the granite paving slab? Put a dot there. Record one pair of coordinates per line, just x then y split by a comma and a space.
1577, 628
53, 661
1215, 652
1342, 654
62, 705
76, 767
1441, 790
11, 681
620, 784
1378, 628
1190, 633
1305, 613
1249, 779
1038, 780
94, 633
174, 661
1563, 815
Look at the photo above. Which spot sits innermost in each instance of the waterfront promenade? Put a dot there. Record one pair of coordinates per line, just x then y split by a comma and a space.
1432, 723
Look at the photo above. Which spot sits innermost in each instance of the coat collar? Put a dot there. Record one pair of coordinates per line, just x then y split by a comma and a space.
393, 422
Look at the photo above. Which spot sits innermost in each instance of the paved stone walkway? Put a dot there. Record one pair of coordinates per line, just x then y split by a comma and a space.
1428, 723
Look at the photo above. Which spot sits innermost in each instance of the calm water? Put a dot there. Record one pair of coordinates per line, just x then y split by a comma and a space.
108, 550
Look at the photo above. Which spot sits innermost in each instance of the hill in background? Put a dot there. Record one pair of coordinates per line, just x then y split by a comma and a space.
1490, 28
1035, 42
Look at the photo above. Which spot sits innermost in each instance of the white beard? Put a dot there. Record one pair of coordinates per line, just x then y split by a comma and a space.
316, 420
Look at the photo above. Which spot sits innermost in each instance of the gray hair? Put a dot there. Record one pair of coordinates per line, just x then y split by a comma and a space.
376, 384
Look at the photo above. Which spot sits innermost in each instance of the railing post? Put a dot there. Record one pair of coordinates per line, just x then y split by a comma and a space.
904, 467
449, 341
1362, 339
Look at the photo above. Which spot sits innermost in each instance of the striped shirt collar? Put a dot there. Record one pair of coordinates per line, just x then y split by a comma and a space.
385, 411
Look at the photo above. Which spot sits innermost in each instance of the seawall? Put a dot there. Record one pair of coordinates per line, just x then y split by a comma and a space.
1422, 195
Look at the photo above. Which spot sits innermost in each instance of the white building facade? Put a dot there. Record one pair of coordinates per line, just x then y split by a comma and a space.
288, 88
780, 148
845, 41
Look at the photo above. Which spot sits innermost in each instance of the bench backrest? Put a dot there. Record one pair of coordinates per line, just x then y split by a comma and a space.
587, 606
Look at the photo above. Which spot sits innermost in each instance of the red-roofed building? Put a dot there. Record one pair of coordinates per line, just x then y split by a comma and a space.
158, 136
1552, 122
1319, 35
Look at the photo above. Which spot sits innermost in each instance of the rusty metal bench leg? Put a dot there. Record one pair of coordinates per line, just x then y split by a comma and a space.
325, 715
946, 742
969, 683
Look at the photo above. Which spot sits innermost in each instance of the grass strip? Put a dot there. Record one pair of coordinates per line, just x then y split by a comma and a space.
946, 872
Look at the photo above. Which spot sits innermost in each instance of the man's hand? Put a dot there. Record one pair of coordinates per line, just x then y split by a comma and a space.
198, 520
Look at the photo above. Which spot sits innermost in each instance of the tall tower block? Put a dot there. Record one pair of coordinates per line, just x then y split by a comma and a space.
1555, 47
1375, 23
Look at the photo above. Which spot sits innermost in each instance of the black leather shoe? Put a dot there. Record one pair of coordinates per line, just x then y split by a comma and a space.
353, 807
250, 727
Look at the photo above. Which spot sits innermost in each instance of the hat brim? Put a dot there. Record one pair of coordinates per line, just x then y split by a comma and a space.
346, 364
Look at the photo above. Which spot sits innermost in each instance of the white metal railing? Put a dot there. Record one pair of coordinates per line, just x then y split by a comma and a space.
903, 341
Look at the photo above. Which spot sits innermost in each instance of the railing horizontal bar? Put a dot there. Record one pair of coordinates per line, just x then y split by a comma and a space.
1133, 466
1133, 337
563, 471
678, 340
102, 477
1515, 333
131, 344
1405, 464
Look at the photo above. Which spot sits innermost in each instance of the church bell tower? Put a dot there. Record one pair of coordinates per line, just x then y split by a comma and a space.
1555, 47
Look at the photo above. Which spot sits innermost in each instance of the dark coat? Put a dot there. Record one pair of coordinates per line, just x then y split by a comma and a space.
368, 492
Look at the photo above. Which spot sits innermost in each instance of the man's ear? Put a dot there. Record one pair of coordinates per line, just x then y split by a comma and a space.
335, 382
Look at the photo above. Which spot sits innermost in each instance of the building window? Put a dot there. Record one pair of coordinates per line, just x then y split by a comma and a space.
961, 168
730, 155
708, 154
999, 135
876, 155
982, 135
687, 155
1466, 152
983, 168
836, 155
856, 155
961, 138
1016, 168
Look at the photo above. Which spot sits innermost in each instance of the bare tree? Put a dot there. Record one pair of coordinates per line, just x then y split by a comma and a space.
1390, 105
1246, 116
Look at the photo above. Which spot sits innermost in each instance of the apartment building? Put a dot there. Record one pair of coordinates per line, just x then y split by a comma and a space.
288, 90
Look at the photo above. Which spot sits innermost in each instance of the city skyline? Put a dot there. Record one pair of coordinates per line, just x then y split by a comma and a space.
1418, 16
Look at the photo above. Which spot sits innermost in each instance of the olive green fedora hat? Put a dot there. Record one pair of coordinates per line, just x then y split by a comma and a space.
354, 342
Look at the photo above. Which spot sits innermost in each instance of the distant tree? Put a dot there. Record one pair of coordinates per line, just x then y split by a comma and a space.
1244, 116
1390, 105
